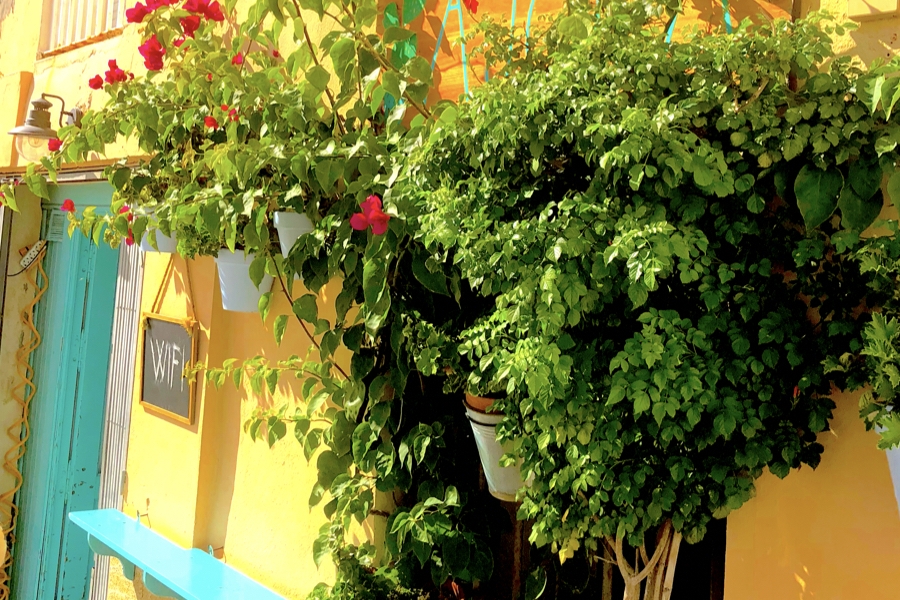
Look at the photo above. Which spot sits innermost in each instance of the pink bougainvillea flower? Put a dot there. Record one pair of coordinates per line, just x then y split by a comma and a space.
210, 10
190, 25
471, 5
233, 114
214, 12
359, 222
238, 59
95, 82
137, 14
371, 216
67, 206
126, 210
154, 4
210, 122
55, 144
379, 221
177, 43
129, 241
152, 51
115, 74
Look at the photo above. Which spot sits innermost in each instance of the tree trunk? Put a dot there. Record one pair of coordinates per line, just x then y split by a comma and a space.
658, 573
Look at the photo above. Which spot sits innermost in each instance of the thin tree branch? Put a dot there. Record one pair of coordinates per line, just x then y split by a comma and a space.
306, 330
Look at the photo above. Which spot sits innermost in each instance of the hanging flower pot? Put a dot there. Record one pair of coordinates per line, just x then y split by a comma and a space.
893, 457
238, 292
164, 243
290, 227
503, 482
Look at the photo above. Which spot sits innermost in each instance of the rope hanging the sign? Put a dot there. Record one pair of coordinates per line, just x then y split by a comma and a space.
160, 294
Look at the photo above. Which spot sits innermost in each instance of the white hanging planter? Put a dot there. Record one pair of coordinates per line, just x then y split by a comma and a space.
165, 243
893, 457
238, 292
503, 482
290, 227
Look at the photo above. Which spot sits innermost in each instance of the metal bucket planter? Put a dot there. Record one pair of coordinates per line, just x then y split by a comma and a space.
164, 243
290, 227
503, 482
238, 292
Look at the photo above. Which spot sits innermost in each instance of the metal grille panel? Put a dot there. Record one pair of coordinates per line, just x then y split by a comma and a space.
120, 383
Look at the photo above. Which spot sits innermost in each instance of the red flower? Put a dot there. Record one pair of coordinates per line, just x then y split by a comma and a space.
796, 391
95, 82
471, 6
214, 12
137, 14
127, 209
238, 59
210, 10
115, 74
209, 76
371, 215
276, 53
224, 107
152, 51
55, 144
190, 24
154, 4
177, 43
233, 114
68, 206
129, 241
210, 122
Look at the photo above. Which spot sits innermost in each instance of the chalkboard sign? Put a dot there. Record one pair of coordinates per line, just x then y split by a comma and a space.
167, 347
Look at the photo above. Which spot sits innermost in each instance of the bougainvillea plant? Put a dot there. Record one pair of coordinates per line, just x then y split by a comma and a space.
651, 253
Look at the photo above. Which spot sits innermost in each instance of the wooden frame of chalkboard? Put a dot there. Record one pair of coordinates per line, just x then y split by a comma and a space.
184, 412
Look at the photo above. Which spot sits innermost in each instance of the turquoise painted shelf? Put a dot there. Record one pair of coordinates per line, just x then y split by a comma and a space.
169, 570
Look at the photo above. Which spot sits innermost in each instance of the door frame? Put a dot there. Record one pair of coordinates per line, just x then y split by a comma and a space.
61, 466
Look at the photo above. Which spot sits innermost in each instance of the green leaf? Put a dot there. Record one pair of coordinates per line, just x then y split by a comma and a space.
573, 27
264, 304
343, 57
817, 194
314, 5
280, 327
328, 171
318, 76
865, 178
412, 9
858, 213
363, 438
455, 552
396, 34
435, 282
391, 16
306, 309
257, 270
893, 188
536, 584
277, 431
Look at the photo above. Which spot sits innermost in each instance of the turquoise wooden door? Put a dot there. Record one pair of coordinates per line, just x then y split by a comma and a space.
61, 467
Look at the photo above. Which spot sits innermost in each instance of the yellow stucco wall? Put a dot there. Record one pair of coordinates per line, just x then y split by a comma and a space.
828, 534
209, 484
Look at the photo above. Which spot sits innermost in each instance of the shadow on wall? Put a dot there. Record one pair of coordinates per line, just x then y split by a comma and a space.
6, 7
